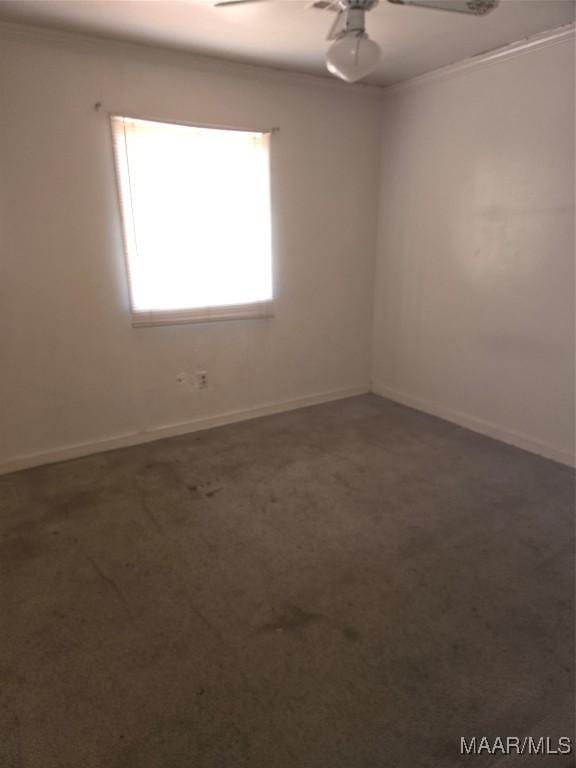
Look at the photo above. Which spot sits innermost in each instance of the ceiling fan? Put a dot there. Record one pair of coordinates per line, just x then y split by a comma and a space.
353, 55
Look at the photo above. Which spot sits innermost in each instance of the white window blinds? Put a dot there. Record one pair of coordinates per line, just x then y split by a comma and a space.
196, 216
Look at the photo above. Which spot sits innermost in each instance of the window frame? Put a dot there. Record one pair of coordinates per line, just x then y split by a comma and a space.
165, 317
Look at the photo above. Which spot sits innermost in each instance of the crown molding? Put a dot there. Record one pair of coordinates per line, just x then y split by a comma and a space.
266, 73
557, 36
201, 62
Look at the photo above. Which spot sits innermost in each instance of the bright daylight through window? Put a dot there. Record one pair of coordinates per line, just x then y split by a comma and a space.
196, 216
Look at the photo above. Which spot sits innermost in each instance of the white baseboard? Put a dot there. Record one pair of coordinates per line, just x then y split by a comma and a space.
476, 425
207, 422
171, 430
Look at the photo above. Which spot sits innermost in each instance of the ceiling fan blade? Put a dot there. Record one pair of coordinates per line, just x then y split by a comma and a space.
221, 3
337, 26
473, 7
325, 5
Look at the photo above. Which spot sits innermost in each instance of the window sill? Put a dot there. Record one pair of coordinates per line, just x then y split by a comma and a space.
256, 310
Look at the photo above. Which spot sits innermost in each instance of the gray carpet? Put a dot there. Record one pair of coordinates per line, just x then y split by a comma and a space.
352, 585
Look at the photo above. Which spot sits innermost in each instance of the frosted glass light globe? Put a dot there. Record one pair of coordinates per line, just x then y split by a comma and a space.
352, 56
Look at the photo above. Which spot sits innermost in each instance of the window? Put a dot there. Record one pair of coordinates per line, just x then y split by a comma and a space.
196, 216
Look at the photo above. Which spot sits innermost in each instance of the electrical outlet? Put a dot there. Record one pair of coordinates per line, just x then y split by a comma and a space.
202, 379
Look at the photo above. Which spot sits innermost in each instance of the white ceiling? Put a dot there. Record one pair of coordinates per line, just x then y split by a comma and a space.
290, 35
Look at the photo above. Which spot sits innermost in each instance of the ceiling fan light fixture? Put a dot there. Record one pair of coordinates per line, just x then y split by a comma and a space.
352, 56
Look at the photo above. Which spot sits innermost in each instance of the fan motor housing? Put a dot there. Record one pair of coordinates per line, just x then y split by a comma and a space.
358, 5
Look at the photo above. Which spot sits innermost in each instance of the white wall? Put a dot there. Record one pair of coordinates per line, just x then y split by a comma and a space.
474, 310
75, 376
